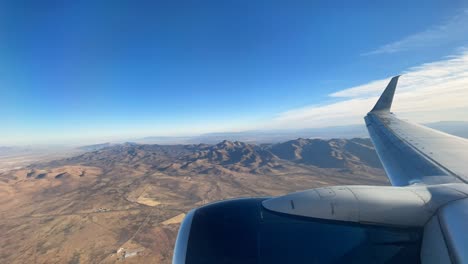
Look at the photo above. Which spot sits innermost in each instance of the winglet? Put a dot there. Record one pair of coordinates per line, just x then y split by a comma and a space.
385, 101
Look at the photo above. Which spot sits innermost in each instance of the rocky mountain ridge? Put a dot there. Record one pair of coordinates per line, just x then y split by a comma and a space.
333, 153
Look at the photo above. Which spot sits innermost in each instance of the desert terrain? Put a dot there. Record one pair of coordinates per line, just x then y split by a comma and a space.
124, 203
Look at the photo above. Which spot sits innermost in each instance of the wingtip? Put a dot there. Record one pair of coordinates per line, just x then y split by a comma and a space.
386, 99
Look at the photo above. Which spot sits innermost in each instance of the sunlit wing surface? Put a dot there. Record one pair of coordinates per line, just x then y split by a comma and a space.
421, 219
412, 153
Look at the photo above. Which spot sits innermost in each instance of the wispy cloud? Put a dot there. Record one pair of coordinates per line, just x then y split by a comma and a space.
427, 93
452, 30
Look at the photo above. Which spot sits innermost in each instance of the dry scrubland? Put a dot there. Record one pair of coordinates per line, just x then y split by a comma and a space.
124, 203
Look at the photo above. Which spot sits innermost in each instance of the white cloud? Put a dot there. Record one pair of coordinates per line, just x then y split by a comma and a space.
448, 32
430, 92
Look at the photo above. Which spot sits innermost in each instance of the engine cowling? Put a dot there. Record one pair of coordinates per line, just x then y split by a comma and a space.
244, 231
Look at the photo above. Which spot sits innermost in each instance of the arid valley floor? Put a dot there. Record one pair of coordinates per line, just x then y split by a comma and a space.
123, 203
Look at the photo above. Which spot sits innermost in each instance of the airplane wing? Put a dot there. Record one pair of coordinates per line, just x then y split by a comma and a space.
421, 219
412, 153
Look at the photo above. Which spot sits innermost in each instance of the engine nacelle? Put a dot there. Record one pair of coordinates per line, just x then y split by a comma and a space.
244, 231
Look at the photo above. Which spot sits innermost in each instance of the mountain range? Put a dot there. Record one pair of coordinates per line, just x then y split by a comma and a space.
124, 202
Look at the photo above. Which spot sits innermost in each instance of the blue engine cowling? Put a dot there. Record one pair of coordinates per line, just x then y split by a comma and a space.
243, 231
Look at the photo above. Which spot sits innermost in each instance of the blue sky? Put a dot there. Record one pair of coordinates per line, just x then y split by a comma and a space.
81, 71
